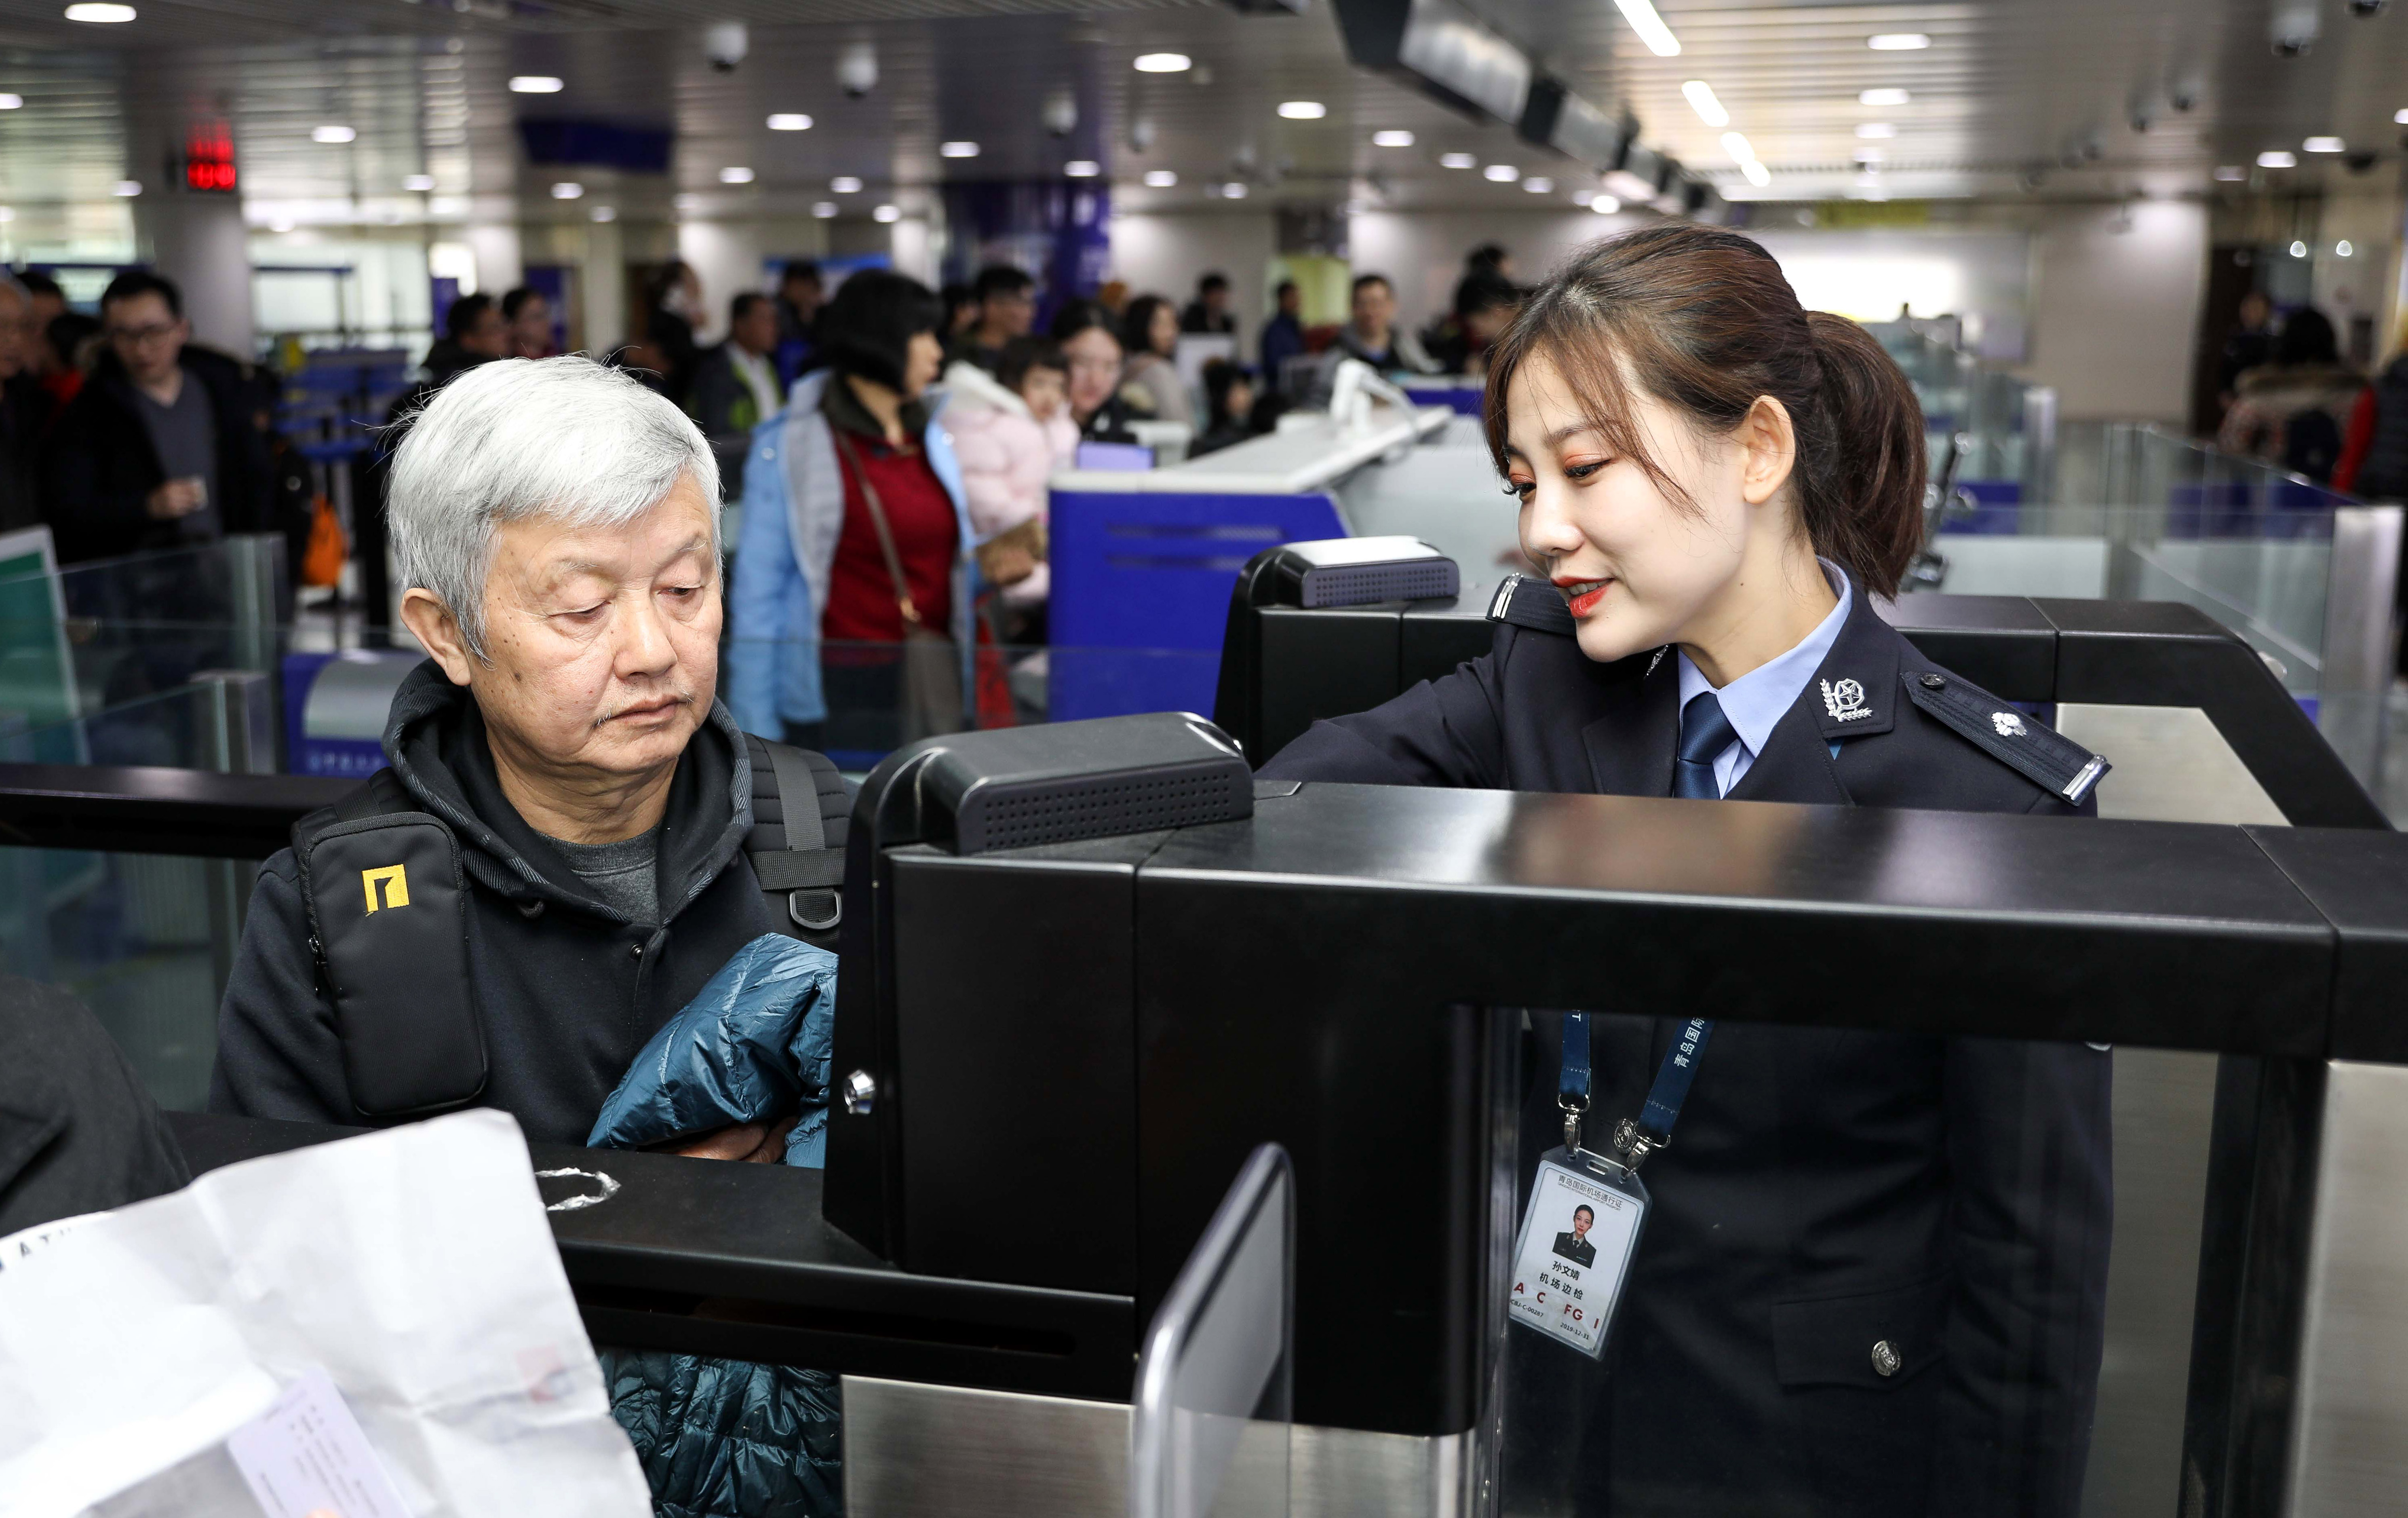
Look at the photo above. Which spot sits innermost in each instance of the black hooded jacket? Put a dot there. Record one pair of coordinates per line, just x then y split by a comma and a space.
101, 466
570, 988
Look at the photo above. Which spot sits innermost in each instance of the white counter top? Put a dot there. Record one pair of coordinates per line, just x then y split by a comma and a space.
1287, 463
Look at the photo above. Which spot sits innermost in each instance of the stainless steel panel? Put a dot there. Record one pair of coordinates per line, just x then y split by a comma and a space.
2171, 765
2349, 1432
915, 1451
2360, 577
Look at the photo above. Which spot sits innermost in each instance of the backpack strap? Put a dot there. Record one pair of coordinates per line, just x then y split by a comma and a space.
796, 845
388, 905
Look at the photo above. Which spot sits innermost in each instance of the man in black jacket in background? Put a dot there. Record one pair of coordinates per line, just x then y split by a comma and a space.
162, 448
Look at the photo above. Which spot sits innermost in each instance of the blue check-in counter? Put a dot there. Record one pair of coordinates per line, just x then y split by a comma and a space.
1143, 561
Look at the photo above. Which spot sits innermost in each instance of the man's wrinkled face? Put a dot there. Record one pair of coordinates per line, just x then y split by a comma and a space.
602, 645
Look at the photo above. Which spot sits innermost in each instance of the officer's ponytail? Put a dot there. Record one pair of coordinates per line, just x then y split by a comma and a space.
1702, 320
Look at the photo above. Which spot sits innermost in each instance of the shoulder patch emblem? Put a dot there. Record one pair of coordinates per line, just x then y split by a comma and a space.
1529, 601
2046, 757
1844, 701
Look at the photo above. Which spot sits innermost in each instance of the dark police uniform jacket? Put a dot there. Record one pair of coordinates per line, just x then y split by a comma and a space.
1826, 1191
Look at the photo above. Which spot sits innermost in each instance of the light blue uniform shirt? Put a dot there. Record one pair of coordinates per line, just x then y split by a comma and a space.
1758, 699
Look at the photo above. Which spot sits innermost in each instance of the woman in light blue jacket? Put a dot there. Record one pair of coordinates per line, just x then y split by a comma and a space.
811, 571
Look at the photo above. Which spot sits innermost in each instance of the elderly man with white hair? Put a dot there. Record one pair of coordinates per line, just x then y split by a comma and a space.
556, 860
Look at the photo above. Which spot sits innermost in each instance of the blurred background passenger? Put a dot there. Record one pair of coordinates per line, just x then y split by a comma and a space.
528, 314
474, 332
735, 387
800, 294
24, 409
856, 491
1150, 380
1011, 431
159, 449
50, 300
1371, 332
1006, 308
2294, 409
1209, 312
1484, 300
1228, 407
2252, 343
960, 313
1283, 333
1489, 258
69, 343
673, 302
1089, 337
77, 1132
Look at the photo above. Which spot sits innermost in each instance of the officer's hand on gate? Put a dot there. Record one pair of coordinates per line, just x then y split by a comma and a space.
757, 1143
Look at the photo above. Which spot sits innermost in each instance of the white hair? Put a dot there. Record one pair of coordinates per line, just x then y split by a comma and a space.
560, 438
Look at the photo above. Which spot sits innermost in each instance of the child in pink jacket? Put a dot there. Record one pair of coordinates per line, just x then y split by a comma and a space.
1011, 432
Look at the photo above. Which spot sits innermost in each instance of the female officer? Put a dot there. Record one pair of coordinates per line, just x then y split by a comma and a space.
1875, 1274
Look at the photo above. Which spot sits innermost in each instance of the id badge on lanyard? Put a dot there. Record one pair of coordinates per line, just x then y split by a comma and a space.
1586, 1212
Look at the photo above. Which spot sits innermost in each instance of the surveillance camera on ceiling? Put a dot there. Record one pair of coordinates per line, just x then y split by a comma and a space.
2184, 99
2294, 27
726, 46
2142, 118
856, 70
2359, 161
2367, 10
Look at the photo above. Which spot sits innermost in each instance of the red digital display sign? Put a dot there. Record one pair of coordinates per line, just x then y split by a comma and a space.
208, 159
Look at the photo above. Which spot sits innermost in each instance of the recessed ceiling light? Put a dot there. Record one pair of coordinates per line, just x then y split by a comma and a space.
2399, 117
2275, 158
1457, 161
1702, 96
332, 134
1605, 205
2299, 249
1160, 179
1539, 184
688, 201
1897, 42
1876, 130
1234, 190
1757, 175
1501, 173
823, 209
1303, 110
420, 183
2343, 249
100, 14
1884, 97
789, 121
1392, 139
567, 190
535, 84
128, 188
1738, 147
1083, 168
845, 184
448, 206
886, 213
11, 101
736, 174
603, 213
1162, 63
957, 150
1650, 27
2324, 145
2231, 173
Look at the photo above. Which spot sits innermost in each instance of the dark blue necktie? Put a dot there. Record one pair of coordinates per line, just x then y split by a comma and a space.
1705, 732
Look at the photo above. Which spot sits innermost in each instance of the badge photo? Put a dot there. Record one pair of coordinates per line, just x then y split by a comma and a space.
1575, 1249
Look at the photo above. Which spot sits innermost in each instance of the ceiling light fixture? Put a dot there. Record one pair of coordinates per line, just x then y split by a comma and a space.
332, 134
11, 101
419, 183
886, 213
1883, 96
823, 209
957, 150
126, 189
100, 15
603, 213
1701, 97
736, 174
1392, 139
2343, 249
535, 84
1302, 111
2324, 145
1757, 175
845, 184
2299, 249
1739, 148
1234, 190
790, 120
1876, 130
1650, 27
1605, 205
1162, 63
2231, 173
1160, 179
686, 202
567, 190
1870, 158
280, 224
1083, 168
1539, 184
2275, 158
1897, 42
1457, 161
1500, 173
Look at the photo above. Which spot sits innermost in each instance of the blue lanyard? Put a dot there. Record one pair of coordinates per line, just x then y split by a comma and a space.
1653, 1130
